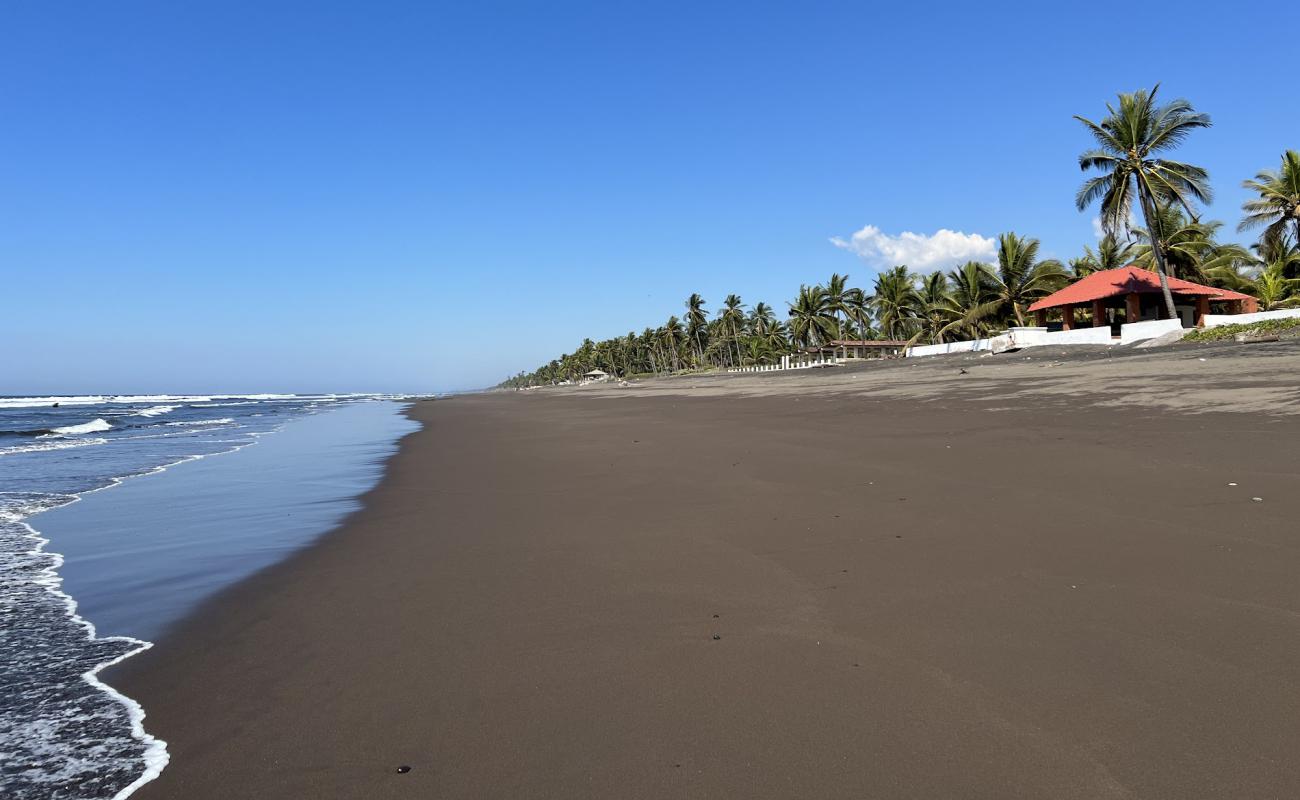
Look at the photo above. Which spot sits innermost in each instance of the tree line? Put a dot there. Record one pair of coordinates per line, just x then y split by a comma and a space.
1133, 175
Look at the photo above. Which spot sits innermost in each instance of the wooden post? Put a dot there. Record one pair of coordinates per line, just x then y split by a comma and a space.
1040, 317
1202, 308
1099, 313
1133, 307
1067, 318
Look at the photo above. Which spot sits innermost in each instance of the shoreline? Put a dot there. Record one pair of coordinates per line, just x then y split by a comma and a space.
87, 541
912, 599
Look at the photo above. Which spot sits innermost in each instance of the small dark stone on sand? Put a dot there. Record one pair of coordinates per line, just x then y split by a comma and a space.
898, 536
715, 616
716, 637
402, 770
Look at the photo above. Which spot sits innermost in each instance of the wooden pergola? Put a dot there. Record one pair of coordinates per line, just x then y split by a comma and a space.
1136, 291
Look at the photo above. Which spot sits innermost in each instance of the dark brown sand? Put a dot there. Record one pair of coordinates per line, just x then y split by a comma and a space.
913, 599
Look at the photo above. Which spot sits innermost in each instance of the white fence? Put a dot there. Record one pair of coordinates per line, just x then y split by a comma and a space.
1217, 320
791, 363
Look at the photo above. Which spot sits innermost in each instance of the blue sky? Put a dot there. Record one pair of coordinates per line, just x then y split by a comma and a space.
276, 196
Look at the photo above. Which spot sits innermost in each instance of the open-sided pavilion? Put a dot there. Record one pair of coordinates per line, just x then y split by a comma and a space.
1137, 293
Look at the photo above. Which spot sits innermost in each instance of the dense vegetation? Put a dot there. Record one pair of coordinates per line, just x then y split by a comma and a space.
1133, 173
1261, 328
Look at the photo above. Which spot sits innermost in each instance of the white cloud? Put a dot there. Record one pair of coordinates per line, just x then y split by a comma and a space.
1097, 230
924, 253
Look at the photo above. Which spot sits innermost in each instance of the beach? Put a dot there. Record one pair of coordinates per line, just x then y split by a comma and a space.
1036, 575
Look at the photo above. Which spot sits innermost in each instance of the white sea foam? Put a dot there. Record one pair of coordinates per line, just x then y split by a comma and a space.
155, 411
96, 426
105, 399
37, 447
155, 756
222, 421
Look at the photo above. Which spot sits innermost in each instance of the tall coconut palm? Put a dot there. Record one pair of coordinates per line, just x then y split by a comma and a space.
842, 300
812, 321
1278, 204
674, 335
732, 316
1020, 278
761, 320
1131, 139
895, 302
932, 303
696, 321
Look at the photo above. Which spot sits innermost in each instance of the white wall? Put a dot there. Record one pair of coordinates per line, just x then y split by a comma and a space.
1140, 331
1100, 335
948, 347
1215, 320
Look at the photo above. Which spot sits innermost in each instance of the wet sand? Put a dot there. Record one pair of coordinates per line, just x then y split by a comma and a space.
889, 582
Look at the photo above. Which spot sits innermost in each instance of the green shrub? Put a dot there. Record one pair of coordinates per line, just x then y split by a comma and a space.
1255, 328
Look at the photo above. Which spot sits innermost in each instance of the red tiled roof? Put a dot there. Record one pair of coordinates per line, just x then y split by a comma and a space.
1127, 280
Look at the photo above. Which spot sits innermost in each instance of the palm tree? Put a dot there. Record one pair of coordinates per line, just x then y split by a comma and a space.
1021, 278
1131, 139
673, 336
895, 302
1278, 204
1274, 289
732, 317
1190, 249
696, 321
933, 301
842, 301
1281, 250
812, 320
761, 320
973, 301
1111, 253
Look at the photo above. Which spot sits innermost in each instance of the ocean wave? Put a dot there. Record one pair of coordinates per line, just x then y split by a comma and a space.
155, 411
37, 447
52, 651
106, 399
97, 426
222, 421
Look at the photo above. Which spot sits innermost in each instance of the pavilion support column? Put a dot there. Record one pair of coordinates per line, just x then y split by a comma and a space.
1040, 317
1067, 318
1133, 307
1099, 313
1202, 308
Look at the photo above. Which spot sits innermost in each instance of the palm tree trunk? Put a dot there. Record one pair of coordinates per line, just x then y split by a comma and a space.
1157, 249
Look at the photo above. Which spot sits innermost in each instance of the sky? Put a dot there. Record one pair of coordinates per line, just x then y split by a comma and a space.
421, 196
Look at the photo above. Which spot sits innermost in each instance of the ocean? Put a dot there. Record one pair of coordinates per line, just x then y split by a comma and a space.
115, 523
